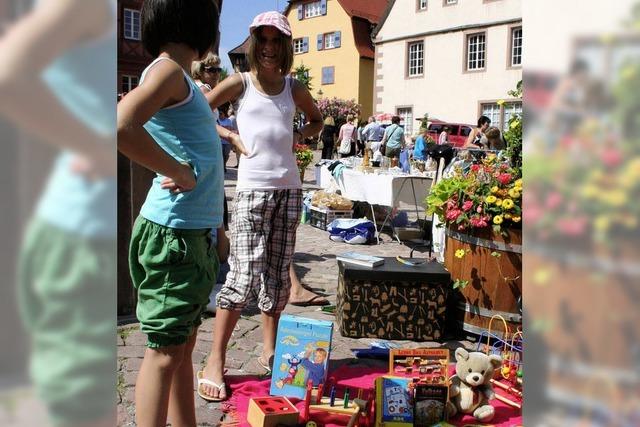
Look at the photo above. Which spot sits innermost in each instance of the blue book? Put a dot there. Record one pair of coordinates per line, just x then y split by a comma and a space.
302, 355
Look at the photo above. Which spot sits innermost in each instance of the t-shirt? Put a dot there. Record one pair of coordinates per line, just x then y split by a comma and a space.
394, 136
315, 370
373, 132
419, 150
328, 132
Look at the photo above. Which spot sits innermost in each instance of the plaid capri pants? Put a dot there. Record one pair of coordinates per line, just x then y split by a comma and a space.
263, 238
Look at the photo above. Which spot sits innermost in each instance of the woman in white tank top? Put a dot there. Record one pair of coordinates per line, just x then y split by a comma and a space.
266, 213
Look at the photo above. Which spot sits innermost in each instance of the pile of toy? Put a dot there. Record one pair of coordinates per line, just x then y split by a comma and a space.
417, 390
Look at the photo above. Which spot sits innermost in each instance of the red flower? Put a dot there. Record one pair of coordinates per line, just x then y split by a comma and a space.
453, 214
475, 167
466, 206
504, 178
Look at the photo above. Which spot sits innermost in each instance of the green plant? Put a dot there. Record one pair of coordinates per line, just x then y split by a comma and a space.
513, 135
301, 73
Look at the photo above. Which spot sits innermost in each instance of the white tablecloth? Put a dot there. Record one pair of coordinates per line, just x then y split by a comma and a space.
377, 189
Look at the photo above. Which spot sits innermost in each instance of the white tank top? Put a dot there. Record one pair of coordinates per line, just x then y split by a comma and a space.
265, 124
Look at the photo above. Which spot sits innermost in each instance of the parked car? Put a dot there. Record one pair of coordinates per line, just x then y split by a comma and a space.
458, 132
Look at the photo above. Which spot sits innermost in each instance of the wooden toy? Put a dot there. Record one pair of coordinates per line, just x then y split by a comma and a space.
428, 365
271, 412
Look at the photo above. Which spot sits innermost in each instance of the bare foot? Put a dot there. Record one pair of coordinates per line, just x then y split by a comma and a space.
217, 391
303, 297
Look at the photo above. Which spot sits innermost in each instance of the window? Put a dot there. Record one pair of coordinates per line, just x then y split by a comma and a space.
416, 59
511, 109
129, 83
406, 116
330, 40
493, 112
422, 4
301, 45
131, 24
476, 49
450, 2
328, 75
501, 114
312, 9
516, 47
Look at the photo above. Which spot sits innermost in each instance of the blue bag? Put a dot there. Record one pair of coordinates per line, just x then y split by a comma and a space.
353, 231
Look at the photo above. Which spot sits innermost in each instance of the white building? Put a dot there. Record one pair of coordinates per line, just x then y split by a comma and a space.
452, 59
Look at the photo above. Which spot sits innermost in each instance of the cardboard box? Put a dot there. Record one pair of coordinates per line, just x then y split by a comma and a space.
302, 354
392, 301
271, 412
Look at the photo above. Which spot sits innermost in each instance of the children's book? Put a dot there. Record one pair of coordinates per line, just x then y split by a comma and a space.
430, 404
360, 259
302, 355
394, 401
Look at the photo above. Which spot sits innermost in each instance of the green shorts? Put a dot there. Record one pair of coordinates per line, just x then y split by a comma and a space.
67, 297
174, 271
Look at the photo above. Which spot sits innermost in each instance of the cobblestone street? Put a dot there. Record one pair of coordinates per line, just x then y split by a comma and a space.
317, 268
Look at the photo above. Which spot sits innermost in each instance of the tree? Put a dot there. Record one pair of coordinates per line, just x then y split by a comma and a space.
301, 73
224, 73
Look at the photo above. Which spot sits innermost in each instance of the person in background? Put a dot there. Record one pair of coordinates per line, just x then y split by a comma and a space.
360, 141
393, 139
373, 134
495, 139
477, 138
444, 136
206, 73
420, 147
328, 137
226, 123
347, 137
234, 125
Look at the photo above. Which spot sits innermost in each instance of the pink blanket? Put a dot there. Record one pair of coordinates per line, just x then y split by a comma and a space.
245, 387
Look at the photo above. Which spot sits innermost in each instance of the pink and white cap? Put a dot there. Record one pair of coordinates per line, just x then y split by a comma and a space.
272, 19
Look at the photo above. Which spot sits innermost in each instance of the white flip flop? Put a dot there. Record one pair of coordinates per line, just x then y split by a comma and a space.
202, 380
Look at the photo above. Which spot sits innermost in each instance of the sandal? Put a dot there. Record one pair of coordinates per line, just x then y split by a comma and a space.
221, 387
264, 365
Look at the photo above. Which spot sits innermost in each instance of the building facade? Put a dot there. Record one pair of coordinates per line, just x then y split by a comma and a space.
452, 59
333, 39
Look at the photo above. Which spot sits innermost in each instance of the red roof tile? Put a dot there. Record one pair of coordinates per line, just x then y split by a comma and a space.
370, 10
362, 39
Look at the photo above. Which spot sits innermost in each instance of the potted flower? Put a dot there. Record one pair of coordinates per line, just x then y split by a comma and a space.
304, 157
480, 206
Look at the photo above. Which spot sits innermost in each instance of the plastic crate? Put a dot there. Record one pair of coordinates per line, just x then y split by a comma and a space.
321, 217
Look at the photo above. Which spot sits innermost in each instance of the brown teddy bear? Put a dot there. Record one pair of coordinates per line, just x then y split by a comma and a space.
471, 390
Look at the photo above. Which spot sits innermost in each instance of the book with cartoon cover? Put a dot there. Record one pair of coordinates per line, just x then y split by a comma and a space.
302, 354
394, 401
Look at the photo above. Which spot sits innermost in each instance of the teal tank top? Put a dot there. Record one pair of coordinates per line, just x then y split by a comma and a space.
83, 79
187, 132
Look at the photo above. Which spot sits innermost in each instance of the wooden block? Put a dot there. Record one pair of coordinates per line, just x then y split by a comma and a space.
271, 412
337, 408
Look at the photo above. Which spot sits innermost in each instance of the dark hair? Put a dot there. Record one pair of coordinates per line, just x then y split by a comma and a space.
224, 108
395, 120
285, 51
193, 22
446, 129
483, 120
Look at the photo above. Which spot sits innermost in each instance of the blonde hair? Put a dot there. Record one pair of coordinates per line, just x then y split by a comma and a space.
349, 118
285, 51
329, 121
197, 67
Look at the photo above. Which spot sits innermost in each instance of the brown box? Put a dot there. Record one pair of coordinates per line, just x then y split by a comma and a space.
392, 301
271, 411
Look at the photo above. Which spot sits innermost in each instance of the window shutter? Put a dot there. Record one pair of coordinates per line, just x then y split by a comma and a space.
323, 7
320, 41
305, 44
336, 38
331, 76
300, 12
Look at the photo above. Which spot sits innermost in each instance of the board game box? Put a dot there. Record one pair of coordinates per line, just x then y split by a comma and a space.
301, 355
394, 401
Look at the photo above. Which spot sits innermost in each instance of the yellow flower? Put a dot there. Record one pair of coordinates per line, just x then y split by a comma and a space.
518, 182
497, 220
590, 191
602, 223
459, 253
616, 198
507, 216
494, 189
514, 124
498, 202
514, 193
515, 218
491, 199
507, 204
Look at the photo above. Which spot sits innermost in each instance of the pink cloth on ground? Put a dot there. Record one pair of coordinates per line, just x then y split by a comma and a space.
244, 388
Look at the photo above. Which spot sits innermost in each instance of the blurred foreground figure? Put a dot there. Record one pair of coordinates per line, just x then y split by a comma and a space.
580, 219
57, 84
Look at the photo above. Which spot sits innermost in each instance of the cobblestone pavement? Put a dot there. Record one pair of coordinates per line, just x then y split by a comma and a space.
316, 266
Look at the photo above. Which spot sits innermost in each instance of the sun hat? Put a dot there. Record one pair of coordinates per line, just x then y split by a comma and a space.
272, 19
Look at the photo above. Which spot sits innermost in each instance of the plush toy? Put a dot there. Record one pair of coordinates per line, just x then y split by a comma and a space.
471, 390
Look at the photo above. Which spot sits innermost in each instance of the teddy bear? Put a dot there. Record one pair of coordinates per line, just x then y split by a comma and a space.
470, 390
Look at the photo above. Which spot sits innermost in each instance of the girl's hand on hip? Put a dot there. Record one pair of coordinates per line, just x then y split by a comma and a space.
185, 180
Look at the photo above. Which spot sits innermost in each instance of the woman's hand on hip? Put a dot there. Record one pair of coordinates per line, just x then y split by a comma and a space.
237, 144
183, 181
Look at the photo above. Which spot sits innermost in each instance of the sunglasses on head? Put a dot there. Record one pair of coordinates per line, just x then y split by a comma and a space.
211, 69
